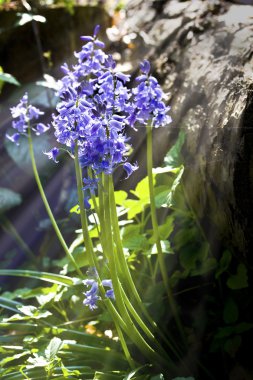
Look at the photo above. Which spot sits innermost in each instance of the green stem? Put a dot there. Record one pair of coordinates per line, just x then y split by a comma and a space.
124, 346
46, 204
122, 265
120, 296
92, 258
156, 232
86, 236
120, 257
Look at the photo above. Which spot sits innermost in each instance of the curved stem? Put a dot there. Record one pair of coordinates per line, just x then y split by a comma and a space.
124, 346
120, 296
93, 260
128, 281
86, 236
160, 254
121, 260
46, 204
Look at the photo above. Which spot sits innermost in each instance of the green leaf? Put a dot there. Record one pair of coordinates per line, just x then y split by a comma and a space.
22, 327
223, 263
107, 376
9, 305
132, 239
232, 345
34, 312
205, 266
5, 77
134, 372
142, 189
80, 256
135, 206
44, 276
166, 169
13, 357
183, 378
230, 330
75, 209
240, 279
164, 229
230, 312
78, 241
26, 293
173, 157
166, 248
193, 258
53, 348
8, 199
94, 352
161, 195
186, 236
37, 361
120, 197
176, 183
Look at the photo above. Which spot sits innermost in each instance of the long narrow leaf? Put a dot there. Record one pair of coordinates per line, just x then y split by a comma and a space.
24, 327
44, 276
39, 373
9, 304
96, 353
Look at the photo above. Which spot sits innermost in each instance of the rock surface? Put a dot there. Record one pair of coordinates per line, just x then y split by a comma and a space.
202, 52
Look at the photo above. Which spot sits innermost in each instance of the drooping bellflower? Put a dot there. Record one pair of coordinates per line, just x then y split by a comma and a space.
92, 295
94, 109
148, 100
24, 115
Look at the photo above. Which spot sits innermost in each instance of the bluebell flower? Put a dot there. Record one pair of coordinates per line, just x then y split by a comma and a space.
52, 154
109, 293
92, 295
129, 168
14, 138
94, 107
24, 115
149, 100
97, 107
41, 128
145, 67
86, 202
90, 184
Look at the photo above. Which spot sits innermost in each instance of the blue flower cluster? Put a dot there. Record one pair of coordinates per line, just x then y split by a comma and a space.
24, 114
92, 296
148, 100
96, 107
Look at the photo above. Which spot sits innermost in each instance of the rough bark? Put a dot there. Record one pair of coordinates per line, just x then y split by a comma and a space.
202, 52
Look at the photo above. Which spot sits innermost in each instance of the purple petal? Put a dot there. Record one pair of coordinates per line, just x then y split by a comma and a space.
86, 38
145, 66
86, 203
14, 138
41, 128
99, 44
52, 154
124, 77
96, 30
129, 168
